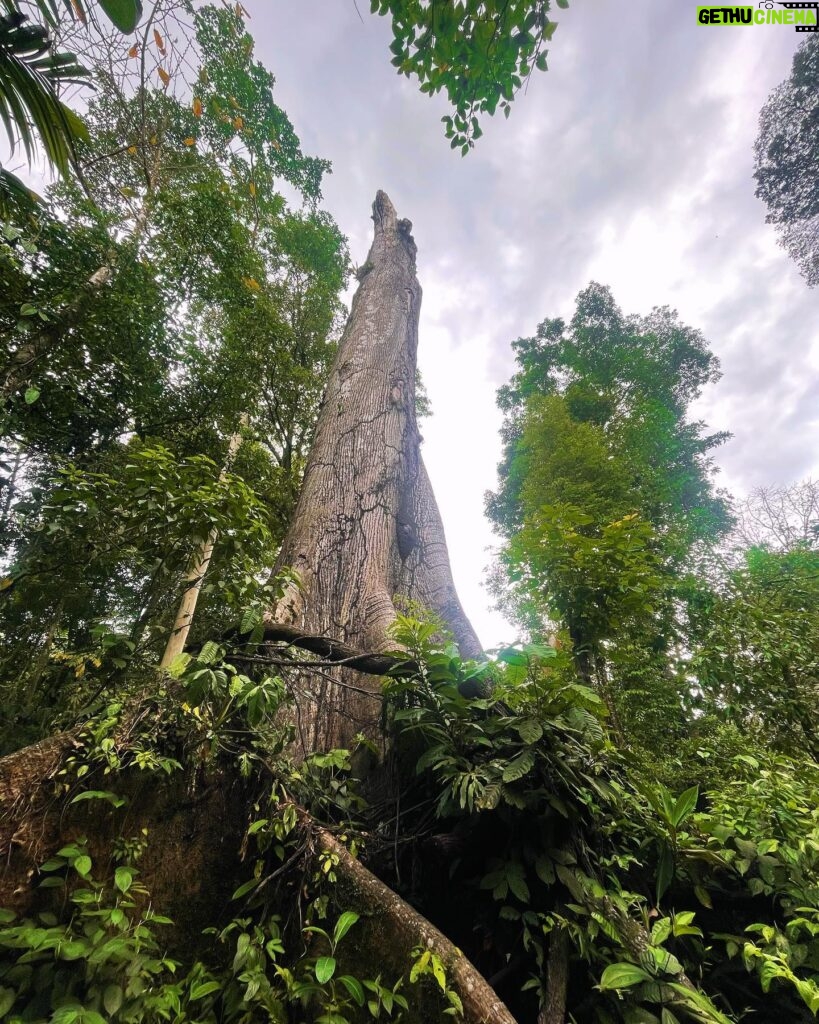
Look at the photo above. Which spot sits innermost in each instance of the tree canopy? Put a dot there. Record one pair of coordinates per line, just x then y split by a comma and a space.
787, 159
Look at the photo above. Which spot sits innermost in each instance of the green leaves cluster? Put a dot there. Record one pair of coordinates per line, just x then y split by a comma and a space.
218, 315
666, 895
479, 52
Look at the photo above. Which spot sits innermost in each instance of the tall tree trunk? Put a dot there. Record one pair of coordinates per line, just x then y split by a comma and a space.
366, 534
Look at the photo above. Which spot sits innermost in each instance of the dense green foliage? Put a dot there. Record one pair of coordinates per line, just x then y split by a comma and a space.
606, 496
479, 52
214, 311
787, 159
690, 904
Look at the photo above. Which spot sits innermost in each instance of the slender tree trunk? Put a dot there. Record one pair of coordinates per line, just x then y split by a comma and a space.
366, 534
196, 573
557, 978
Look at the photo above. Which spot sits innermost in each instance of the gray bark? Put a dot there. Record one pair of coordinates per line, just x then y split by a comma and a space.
366, 533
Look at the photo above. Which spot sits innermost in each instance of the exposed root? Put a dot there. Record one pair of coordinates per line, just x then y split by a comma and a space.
407, 929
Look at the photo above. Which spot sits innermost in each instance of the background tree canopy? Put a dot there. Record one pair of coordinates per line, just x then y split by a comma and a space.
787, 155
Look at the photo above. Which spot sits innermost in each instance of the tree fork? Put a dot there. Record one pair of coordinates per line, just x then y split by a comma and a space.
366, 534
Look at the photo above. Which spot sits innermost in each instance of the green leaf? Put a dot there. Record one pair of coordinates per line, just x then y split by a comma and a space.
684, 805
123, 878
125, 14
701, 1001
343, 925
623, 975
31, 395
179, 664
82, 865
112, 999
519, 766
529, 730
245, 888
53, 865
517, 884
325, 969
210, 652
563, 4
204, 988
354, 987
7, 998
512, 656
665, 870
99, 794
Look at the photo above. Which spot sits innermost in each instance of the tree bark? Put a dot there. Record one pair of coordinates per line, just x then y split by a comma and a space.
405, 929
557, 978
366, 535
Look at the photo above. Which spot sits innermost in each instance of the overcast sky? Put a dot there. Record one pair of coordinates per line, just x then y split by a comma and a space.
629, 162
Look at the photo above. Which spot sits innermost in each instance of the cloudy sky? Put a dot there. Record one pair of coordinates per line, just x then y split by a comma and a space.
629, 162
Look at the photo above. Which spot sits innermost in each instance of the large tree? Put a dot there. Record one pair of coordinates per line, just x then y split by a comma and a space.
605, 491
366, 535
787, 159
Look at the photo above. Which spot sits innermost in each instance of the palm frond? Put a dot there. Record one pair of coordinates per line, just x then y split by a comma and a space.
30, 107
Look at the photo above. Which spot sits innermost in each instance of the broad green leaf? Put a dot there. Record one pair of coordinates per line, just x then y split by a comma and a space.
125, 14
623, 975
665, 870
245, 888
31, 395
123, 878
354, 987
684, 805
343, 925
204, 988
529, 730
82, 865
7, 999
112, 999
519, 766
325, 969
701, 1001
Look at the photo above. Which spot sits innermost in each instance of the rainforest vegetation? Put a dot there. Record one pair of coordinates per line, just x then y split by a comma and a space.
255, 764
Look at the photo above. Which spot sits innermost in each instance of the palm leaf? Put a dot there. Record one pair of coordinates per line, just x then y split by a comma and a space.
30, 108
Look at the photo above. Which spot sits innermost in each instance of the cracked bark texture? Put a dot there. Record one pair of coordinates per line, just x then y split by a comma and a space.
366, 531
